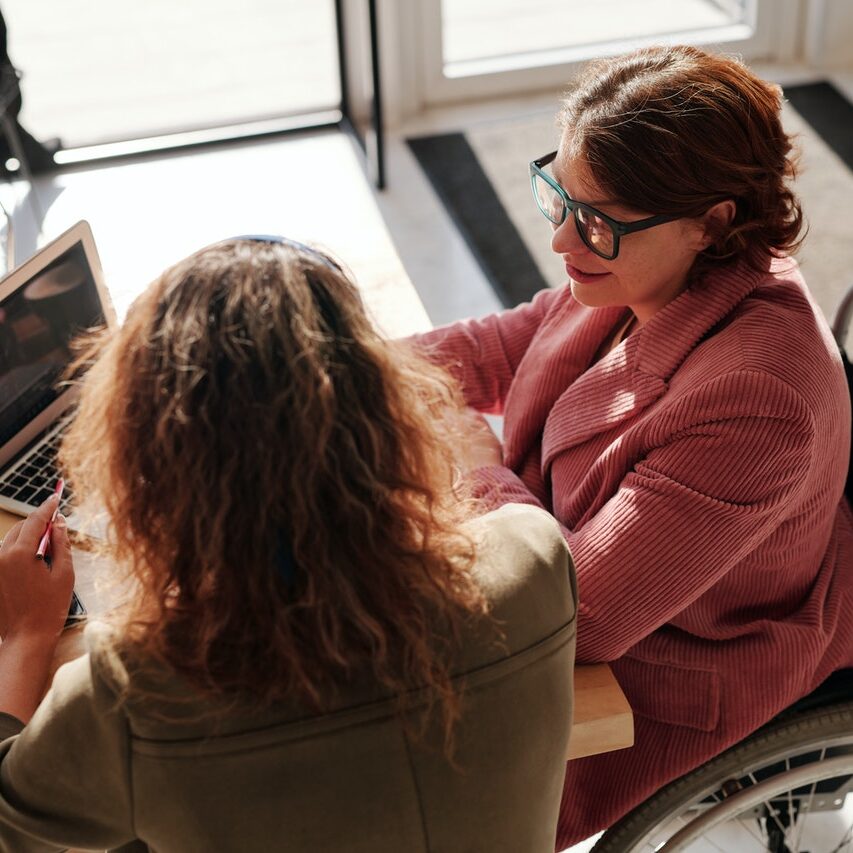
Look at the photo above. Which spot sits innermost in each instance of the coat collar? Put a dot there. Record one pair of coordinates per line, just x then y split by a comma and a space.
671, 335
634, 374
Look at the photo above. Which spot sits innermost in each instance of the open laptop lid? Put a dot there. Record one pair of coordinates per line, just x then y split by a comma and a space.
48, 299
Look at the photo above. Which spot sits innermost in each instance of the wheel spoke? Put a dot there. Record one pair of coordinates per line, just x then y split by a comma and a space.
769, 784
792, 818
845, 841
742, 824
805, 813
770, 810
747, 827
759, 795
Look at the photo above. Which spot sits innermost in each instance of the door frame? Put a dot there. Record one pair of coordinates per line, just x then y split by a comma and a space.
416, 79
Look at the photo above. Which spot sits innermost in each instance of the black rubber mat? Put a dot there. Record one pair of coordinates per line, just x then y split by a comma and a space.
829, 112
462, 185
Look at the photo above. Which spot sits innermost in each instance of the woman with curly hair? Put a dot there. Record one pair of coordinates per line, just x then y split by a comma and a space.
681, 408
322, 645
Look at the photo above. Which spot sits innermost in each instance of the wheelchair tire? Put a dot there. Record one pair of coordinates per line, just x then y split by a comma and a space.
784, 746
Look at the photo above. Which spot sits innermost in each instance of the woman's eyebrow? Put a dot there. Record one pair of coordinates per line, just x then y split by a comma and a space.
593, 203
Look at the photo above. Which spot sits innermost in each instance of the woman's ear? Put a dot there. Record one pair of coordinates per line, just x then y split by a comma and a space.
714, 223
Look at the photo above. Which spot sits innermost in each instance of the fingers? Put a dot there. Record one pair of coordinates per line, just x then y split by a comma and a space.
33, 527
34, 595
12, 536
60, 547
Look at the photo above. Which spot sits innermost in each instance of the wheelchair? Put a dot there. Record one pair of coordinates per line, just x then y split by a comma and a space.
781, 790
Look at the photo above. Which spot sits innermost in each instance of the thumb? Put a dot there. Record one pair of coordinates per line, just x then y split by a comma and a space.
60, 546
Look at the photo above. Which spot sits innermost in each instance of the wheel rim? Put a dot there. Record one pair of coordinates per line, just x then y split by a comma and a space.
785, 787
745, 835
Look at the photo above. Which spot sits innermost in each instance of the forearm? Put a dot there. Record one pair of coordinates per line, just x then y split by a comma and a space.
25, 664
496, 485
484, 354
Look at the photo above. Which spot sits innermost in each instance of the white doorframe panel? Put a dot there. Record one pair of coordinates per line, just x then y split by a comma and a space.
828, 34
415, 77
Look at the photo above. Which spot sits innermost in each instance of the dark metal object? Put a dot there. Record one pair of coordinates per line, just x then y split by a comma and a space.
10, 91
370, 135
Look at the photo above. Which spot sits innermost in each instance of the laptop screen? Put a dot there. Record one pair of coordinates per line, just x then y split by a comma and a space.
37, 323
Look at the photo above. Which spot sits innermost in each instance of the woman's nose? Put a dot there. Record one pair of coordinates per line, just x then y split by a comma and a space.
566, 240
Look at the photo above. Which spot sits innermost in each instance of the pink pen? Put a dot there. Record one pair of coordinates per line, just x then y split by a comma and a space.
44, 542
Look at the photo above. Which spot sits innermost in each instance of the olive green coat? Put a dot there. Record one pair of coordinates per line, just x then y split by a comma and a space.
90, 771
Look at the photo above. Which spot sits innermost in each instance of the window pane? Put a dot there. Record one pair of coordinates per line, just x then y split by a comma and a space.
483, 29
98, 70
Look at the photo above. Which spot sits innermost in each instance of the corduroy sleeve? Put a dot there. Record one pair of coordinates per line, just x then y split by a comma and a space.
725, 469
495, 485
723, 479
484, 354
65, 778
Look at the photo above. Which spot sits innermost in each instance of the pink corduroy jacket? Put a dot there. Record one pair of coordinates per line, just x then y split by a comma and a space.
697, 470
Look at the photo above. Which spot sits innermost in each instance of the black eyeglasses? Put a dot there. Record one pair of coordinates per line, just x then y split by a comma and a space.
598, 230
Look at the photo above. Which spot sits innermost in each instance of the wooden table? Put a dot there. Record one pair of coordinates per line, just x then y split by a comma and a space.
602, 718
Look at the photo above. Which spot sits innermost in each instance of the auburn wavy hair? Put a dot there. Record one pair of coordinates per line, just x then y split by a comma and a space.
674, 130
276, 479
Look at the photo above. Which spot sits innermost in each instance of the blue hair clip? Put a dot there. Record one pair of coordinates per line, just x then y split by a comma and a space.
269, 238
293, 244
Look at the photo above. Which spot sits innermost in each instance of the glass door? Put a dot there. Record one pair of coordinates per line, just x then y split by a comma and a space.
111, 79
98, 71
481, 48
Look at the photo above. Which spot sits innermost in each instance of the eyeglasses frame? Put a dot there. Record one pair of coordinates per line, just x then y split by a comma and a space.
619, 229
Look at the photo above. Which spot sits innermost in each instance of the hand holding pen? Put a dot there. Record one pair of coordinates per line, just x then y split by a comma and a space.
33, 606
42, 552
34, 600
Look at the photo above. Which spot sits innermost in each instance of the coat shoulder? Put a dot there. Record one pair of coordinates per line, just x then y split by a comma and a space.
779, 333
525, 571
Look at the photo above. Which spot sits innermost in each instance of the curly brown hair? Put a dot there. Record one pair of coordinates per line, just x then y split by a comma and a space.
277, 481
675, 130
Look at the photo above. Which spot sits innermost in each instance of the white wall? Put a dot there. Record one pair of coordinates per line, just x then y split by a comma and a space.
829, 34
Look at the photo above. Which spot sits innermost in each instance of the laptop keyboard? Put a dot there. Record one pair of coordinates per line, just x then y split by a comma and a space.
32, 478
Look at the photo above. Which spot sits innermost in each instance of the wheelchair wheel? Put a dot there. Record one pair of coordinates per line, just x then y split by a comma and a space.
782, 790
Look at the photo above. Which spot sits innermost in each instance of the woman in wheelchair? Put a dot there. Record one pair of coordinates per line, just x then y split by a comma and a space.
681, 408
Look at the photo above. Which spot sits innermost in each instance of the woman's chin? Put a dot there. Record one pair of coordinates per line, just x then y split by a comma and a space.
592, 295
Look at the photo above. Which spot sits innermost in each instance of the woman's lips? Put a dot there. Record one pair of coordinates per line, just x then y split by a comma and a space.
584, 277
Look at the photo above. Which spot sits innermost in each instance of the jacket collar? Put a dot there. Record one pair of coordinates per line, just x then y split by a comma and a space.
672, 334
637, 372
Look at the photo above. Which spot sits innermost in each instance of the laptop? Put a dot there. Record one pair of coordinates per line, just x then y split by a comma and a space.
44, 303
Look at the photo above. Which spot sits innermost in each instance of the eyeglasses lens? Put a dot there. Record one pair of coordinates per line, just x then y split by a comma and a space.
549, 200
597, 234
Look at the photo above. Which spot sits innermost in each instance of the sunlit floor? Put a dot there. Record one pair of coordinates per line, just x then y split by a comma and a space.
311, 187
146, 215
